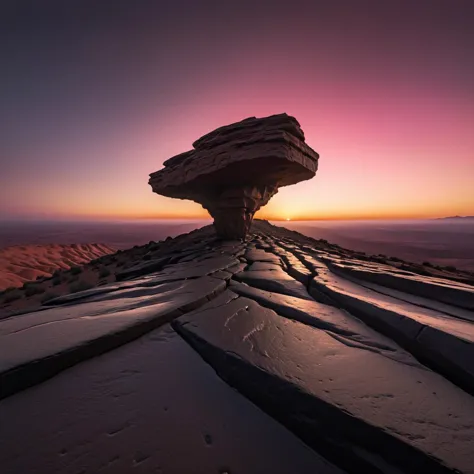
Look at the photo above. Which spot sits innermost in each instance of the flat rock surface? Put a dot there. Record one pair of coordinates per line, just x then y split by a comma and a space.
183, 270
64, 336
338, 323
284, 357
134, 410
327, 369
453, 293
55, 330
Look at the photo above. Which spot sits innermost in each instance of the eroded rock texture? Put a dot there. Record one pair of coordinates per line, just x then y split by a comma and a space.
235, 170
281, 354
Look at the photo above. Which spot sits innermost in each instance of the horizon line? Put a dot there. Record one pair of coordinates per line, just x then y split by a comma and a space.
209, 218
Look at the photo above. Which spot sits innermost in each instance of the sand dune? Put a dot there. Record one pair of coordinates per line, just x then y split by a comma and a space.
22, 263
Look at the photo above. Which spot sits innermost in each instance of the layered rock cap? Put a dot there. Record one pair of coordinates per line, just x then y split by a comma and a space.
235, 170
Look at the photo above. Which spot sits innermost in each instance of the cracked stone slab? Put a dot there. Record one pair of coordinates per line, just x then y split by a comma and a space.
196, 269
256, 266
353, 395
426, 316
275, 280
238, 267
142, 268
258, 255
193, 269
435, 305
449, 310
338, 323
449, 292
453, 355
150, 406
93, 293
294, 267
35, 346
357, 407
401, 316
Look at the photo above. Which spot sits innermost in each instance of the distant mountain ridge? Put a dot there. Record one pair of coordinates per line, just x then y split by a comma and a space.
454, 217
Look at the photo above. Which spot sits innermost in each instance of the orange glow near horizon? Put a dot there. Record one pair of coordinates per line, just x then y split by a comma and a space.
274, 211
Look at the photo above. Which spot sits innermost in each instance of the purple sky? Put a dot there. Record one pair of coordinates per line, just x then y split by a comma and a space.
96, 95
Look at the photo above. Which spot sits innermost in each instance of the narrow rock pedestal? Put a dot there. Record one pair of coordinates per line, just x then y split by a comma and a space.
234, 208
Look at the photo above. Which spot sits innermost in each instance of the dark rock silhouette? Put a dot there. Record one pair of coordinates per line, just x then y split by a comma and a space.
235, 170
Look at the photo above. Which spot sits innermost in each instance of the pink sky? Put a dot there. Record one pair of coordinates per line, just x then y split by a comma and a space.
388, 104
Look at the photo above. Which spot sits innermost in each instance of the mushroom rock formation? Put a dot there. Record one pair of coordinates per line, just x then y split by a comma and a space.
235, 170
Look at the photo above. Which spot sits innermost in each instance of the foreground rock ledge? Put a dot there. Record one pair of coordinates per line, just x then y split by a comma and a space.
235, 170
279, 354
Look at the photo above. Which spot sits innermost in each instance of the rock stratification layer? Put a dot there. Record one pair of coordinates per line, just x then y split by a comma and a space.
235, 170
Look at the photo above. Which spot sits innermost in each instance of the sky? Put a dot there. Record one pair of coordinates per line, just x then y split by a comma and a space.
95, 95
